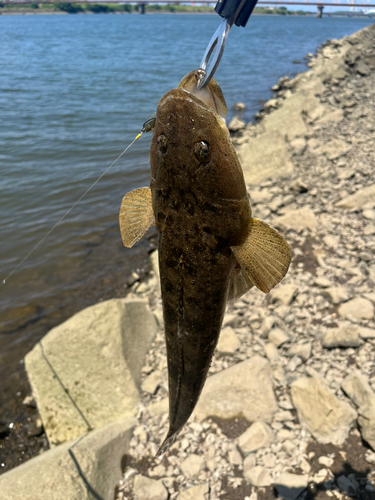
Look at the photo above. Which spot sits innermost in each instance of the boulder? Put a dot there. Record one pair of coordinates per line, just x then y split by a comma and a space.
85, 373
236, 124
198, 492
85, 469
327, 418
265, 156
362, 68
284, 294
290, 486
258, 435
358, 389
356, 386
152, 489
192, 465
336, 294
334, 148
357, 308
243, 390
228, 341
334, 116
358, 199
258, 476
346, 335
302, 218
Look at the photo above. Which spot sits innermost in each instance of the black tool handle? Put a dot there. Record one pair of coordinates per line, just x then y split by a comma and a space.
235, 11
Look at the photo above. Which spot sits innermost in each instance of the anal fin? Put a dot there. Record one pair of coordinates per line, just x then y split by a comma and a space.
264, 256
136, 216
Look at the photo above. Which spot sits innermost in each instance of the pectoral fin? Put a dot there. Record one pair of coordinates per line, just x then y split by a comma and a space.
136, 216
264, 256
239, 284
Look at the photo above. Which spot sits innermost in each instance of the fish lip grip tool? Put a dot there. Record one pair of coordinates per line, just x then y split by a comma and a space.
234, 12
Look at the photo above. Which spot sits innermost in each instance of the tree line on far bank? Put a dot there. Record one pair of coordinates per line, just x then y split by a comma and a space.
103, 8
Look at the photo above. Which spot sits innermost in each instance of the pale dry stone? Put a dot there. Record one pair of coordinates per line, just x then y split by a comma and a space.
278, 337
334, 116
97, 355
152, 489
198, 492
332, 69
290, 486
334, 149
266, 326
70, 470
158, 408
298, 186
302, 350
362, 68
249, 463
299, 219
258, 476
243, 390
366, 421
288, 120
328, 419
192, 465
366, 333
271, 352
265, 156
151, 383
236, 124
322, 282
336, 294
258, 435
232, 320
235, 457
356, 386
346, 335
284, 294
358, 307
358, 199
331, 241
228, 341
239, 106
298, 145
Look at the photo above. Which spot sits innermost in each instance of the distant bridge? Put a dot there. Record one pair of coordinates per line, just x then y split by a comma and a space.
320, 4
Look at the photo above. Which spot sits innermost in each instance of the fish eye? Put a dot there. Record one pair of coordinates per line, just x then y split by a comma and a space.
162, 143
202, 151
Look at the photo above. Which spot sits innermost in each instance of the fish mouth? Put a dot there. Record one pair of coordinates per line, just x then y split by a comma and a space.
211, 95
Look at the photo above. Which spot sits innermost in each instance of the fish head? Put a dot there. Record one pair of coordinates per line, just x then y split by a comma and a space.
194, 167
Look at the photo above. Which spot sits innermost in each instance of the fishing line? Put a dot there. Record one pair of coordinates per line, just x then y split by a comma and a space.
73, 206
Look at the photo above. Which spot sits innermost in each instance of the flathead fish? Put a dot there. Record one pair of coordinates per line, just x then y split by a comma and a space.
211, 249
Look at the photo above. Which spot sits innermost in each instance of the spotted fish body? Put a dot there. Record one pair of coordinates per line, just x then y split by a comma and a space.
210, 248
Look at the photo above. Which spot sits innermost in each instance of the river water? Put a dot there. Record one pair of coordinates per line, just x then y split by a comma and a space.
74, 91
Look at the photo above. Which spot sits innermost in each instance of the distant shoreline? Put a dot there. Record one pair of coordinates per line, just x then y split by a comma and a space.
48, 12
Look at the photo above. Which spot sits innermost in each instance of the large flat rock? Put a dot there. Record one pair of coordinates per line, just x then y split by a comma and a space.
243, 390
85, 373
358, 199
88, 468
265, 156
327, 418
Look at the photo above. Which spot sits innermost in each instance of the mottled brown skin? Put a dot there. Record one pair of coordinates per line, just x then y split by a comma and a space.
201, 209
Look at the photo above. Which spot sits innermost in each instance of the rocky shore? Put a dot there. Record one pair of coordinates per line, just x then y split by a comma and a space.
294, 370
288, 410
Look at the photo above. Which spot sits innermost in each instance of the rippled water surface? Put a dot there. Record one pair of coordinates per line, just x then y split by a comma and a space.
74, 91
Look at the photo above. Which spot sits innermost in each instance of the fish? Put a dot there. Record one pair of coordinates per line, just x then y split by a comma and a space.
211, 249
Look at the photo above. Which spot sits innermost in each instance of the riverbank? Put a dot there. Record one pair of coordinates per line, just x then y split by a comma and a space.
308, 163
266, 186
